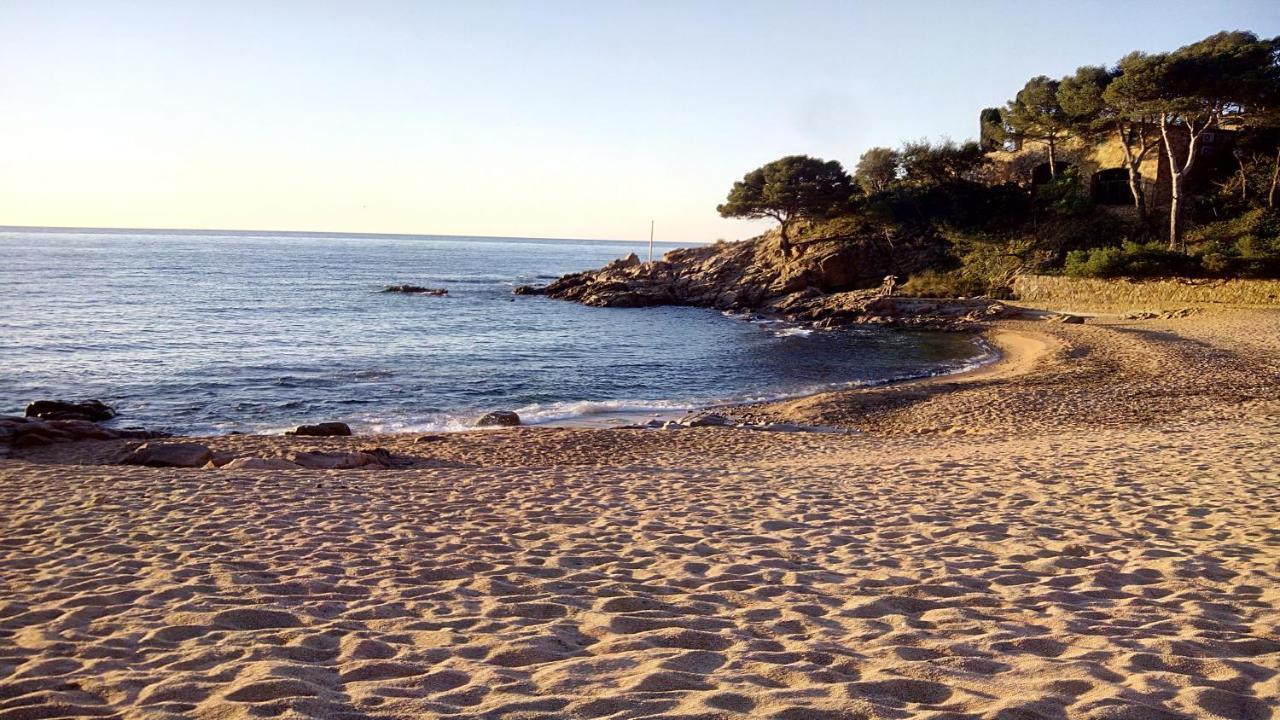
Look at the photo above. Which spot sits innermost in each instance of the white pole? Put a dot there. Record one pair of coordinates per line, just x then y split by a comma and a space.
650, 241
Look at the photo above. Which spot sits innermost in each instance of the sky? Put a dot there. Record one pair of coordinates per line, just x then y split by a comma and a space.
546, 118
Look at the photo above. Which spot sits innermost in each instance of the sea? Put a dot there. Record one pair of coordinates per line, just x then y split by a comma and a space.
210, 332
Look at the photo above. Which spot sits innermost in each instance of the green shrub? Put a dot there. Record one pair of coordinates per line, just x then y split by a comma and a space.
1253, 234
1216, 263
936, 284
1130, 260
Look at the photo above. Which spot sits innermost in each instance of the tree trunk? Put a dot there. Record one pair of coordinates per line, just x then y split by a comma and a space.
1244, 177
1175, 212
1275, 180
1053, 160
784, 241
1178, 175
1132, 163
1139, 197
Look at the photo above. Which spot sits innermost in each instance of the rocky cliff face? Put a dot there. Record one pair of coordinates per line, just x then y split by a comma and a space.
824, 283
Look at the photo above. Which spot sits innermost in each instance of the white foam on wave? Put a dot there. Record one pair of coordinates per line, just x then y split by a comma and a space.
549, 413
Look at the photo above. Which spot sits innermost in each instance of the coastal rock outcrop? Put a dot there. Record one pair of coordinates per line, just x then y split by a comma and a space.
825, 283
17, 432
499, 418
91, 410
324, 429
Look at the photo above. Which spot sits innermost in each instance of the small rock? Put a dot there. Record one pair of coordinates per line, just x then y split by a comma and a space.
529, 290
499, 418
708, 420
423, 439
325, 429
91, 410
169, 455
1066, 319
382, 455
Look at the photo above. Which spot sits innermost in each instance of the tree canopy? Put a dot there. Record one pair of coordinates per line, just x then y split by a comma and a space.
1035, 114
877, 169
789, 188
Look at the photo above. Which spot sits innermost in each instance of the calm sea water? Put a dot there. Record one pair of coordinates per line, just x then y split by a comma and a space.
200, 332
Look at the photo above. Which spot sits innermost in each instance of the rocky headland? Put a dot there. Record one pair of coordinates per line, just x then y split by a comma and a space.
823, 283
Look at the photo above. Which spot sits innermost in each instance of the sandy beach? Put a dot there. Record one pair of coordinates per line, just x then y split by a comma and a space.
1088, 529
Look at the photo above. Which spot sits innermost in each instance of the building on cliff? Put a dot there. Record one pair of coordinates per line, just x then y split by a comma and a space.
1101, 165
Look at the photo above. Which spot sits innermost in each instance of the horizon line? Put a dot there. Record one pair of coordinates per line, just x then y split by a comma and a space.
4, 228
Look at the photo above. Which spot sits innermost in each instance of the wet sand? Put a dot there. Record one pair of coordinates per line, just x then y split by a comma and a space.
1088, 529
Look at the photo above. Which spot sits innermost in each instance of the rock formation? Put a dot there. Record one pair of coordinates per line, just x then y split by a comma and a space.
17, 433
324, 429
185, 455
91, 410
825, 283
499, 418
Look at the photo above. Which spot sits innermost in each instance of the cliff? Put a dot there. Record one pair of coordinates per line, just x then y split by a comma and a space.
825, 283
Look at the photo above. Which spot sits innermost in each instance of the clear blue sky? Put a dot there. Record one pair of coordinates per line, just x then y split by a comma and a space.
546, 118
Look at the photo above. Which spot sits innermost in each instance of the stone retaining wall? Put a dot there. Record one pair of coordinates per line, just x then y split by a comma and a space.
1075, 293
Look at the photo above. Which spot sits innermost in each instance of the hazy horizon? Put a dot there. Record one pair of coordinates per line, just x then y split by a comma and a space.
559, 120
54, 229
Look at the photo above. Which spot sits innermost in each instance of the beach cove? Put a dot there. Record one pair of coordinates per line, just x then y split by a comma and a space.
1085, 529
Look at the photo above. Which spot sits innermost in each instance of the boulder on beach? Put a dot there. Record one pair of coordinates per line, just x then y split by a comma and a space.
91, 410
184, 455
324, 429
257, 463
499, 418
338, 461
415, 290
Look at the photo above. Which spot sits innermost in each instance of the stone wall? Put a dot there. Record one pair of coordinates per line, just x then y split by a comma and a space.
1063, 293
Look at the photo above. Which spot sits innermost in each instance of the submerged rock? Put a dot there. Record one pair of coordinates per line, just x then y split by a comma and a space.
415, 290
91, 410
325, 429
499, 418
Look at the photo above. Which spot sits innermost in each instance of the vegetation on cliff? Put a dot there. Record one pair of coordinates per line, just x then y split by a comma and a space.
953, 206
964, 219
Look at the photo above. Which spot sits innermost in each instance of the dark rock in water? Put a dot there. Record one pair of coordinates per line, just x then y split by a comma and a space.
325, 429
499, 418
416, 290
529, 290
91, 410
185, 455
